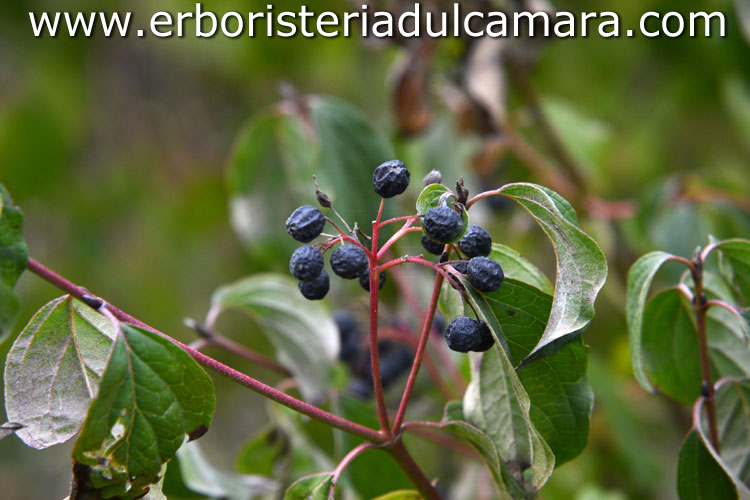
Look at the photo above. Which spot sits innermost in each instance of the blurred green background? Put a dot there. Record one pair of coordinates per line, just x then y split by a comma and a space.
117, 151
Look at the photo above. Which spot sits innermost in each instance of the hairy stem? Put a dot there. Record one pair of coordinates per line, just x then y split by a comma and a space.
420, 351
220, 368
700, 307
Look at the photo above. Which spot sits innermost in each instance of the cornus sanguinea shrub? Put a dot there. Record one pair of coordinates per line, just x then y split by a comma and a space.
134, 397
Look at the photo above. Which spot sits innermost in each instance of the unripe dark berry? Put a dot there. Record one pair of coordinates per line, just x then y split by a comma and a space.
305, 224
442, 224
462, 334
349, 261
485, 274
390, 178
487, 339
306, 263
364, 281
431, 246
476, 242
317, 288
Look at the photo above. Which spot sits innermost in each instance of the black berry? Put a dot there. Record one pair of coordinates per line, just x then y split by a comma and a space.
463, 334
485, 274
476, 242
349, 336
462, 266
431, 246
306, 263
442, 224
364, 281
305, 224
349, 261
390, 178
393, 364
317, 288
486, 336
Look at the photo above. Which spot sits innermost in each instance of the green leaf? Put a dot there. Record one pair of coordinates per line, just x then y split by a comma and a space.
555, 380
401, 495
13, 258
737, 254
200, 476
699, 477
497, 404
581, 265
455, 423
261, 454
436, 195
53, 369
670, 346
303, 333
314, 487
732, 400
152, 396
640, 276
705, 471
515, 266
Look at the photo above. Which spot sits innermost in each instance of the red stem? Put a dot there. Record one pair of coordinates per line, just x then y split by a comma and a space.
220, 368
374, 355
437, 287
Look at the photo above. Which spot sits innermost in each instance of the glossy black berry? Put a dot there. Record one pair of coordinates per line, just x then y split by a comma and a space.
463, 334
305, 224
317, 288
364, 281
431, 246
349, 261
390, 178
442, 224
486, 336
476, 242
485, 274
306, 263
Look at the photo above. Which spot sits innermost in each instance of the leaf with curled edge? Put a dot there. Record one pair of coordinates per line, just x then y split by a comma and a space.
152, 397
53, 369
581, 265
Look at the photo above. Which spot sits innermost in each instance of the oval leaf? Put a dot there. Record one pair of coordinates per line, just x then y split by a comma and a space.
401, 495
640, 276
581, 265
670, 346
152, 396
314, 487
53, 369
497, 404
303, 333
699, 476
555, 380
736, 253
13, 258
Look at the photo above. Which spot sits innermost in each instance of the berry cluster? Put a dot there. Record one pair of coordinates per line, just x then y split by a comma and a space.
442, 225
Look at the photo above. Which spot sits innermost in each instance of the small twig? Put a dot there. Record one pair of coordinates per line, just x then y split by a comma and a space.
427, 326
701, 309
211, 337
220, 368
